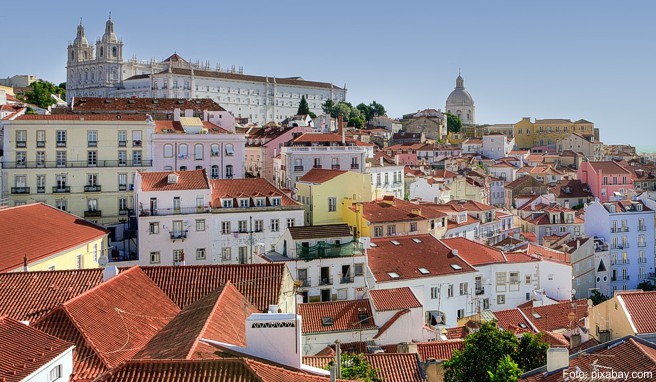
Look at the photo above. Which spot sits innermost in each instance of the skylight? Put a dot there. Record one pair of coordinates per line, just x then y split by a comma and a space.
456, 267
393, 275
416, 240
373, 245
395, 242
536, 315
424, 271
327, 321
522, 325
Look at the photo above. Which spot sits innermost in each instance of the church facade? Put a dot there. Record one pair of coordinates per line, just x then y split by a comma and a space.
102, 72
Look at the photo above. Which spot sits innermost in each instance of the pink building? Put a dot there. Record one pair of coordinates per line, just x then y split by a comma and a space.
606, 179
263, 145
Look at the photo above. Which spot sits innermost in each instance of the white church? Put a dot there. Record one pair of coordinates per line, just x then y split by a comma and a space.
461, 103
102, 72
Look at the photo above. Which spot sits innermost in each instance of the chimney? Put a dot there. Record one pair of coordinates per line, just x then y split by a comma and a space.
407, 347
578, 243
557, 359
176, 114
275, 337
454, 251
109, 272
574, 340
25, 267
340, 128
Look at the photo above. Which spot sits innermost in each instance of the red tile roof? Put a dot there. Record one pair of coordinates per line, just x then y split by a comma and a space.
219, 370
219, 316
459, 332
548, 254
175, 127
85, 117
261, 284
439, 350
629, 354
345, 316
641, 308
475, 253
513, 320
555, 339
609, 167
380, 211
321, 138
428, 253
394, 299
246, 188
395, 367
110, 323
554, 316
25, 350
39, 231
320, 175
187, 180
101, 104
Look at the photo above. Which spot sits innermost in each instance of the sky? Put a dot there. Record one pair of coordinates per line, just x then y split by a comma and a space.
550, 59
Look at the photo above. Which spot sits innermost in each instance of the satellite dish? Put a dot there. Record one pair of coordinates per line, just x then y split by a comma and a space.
102, 261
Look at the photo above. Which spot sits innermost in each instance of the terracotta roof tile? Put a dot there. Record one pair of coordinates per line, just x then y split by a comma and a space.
254, 187
475, 253
25, 349
261, 284
439, 350
554, 316
187, 180
91, 321
143, 105
84, 117
548, 254
394, 299
345, 315
319, 175
38, 231
641, 307
514, 320
397, 367
320, 231
219, 316
609, 167
381, 211
555, 339
429, 254
459, 332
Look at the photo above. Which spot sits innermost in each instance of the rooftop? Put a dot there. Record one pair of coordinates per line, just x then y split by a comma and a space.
174, 180
84, 105
394, 299
320, 231
336, 316
319, 175
247, 188
641, 309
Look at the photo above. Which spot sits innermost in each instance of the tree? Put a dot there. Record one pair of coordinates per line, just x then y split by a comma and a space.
646, 286
62, 85
506, 371
356, 122
328, 106
484, 352
597, 297
356, 367
453, 123
378, 109
365, 110
40, 93
303, 107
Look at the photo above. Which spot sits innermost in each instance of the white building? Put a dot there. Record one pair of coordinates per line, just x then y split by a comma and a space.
497, 145
430, 190
386, 177
102, 72
326, 259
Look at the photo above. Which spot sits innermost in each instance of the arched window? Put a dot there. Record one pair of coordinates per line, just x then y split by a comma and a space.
72, 55
198, 151
182, 151
85, 55
214, 149
168, 151
214, 172
101, 51
230, 150
114, 50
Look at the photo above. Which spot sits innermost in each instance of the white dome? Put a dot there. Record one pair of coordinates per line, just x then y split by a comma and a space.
459, 96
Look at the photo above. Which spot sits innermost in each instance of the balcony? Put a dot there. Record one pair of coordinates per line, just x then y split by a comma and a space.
40, 143
175, 235
122, 187
334, 167
61, 143
479, 291
651, 275
136, 143
326, 281
614, 230
317, 166
347, 279
625, 229
122, 143
642, 228
41, 190
61, 189
92, 188
20, 190
92, 144
93, 214
298, 168
642, 245
21, 144
123, 211
305, 283
77, 164
355, 166
174, 211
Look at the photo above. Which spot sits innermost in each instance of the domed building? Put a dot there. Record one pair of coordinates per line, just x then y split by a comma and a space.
461, 103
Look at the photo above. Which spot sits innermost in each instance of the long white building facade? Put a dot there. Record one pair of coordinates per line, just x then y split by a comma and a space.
102, 72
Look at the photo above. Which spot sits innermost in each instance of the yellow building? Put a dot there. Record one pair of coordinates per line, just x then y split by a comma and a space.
547, 132
627, 313
323, 193
84, 164
38, 237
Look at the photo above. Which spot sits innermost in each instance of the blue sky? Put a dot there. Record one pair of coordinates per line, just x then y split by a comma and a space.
552, 59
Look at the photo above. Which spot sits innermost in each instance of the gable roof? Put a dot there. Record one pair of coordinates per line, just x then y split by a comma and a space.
84, 105
641, 308
475, 253
554, 316
439, 350
320, 231
609, 167
246, 188
110, 323
187, 180
261, 284
221, 316
344, 316
394, 299
420, 251
38, 231
320, 175
25, 349
382, 211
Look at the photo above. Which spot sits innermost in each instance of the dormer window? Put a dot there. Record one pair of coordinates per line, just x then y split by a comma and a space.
173, 178
275, 200
259, 202
226, 203
244, 202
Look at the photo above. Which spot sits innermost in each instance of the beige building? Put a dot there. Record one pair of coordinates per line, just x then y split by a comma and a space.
587, 145
83, 164
627, 313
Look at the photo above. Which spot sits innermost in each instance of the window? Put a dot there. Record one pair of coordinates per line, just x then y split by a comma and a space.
136, 138
168, 150
61, 138
275, 225
291, 222
435, 293
198, 151
92, 138
461, 313
501, 278
40, 138
413, 227
122, 158
450, 290
55, 373
378, 231
178, 255
200, 254
229, 150
21, 158
228, 171
61, 204
243, 226
358, 269
214, 172
154, 257
122, 182
214, 150
226, 254
136, 158
225, 228
200, 224
527, 279
391, 230
41, 184
501, 299
21, 138
332, 204
259, 225
92, 158
122, 138
514, 277
464, 288
226, 203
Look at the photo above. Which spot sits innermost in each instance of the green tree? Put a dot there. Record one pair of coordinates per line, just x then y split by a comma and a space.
29, 111
40, 93
506, 371
646, 286
328, 106
356, 122
484, 352
343, 109
365, 110
303, 107
356, 367
312, 115
453, 123
597, 297
62, 85
377, 109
